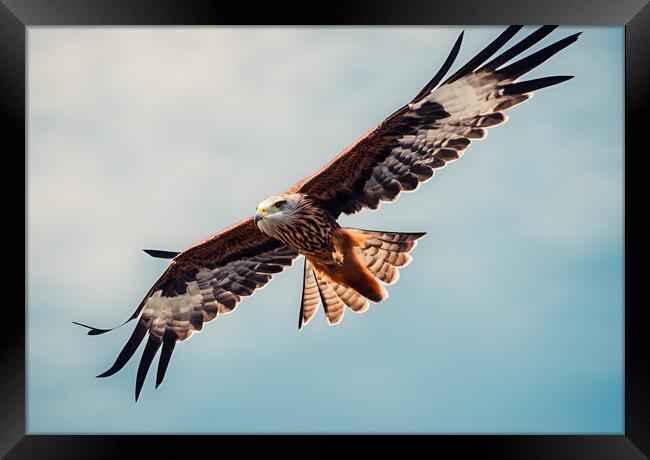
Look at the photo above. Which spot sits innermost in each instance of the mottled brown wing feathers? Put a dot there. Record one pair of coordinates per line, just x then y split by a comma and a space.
434, 128
208, 279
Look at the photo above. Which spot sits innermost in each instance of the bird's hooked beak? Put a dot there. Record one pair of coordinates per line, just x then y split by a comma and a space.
259, 215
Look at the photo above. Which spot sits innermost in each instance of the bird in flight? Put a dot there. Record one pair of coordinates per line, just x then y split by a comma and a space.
343, 267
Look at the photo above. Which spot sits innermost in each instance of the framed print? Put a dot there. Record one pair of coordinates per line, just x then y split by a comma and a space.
514, 328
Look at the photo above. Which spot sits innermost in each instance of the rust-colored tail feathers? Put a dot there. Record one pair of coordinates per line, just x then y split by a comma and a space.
370, 258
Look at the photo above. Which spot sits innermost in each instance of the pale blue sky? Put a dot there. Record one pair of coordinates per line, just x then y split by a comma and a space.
509, 319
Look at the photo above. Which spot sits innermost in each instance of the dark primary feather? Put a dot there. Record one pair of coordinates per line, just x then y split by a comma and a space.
169, 342
131, 345
532, 85
443, 70
160, 254
145, 363
136, 313
519, 48
96, 330
486, 54
530, 62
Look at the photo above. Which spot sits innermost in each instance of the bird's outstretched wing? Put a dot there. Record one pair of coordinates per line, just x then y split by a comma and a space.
434, 128
205, 281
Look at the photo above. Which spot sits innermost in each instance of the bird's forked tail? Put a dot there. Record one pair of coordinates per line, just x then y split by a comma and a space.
369, 259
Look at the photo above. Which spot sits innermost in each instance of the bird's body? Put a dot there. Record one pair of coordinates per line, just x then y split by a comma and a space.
335, 254
344, 267
301, 224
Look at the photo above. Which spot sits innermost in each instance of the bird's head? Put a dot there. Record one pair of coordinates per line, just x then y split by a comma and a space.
277, 210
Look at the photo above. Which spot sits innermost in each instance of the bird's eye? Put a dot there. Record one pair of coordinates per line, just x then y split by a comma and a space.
280, 204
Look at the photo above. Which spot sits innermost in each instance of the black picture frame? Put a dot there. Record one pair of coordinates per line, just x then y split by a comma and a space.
17, 15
